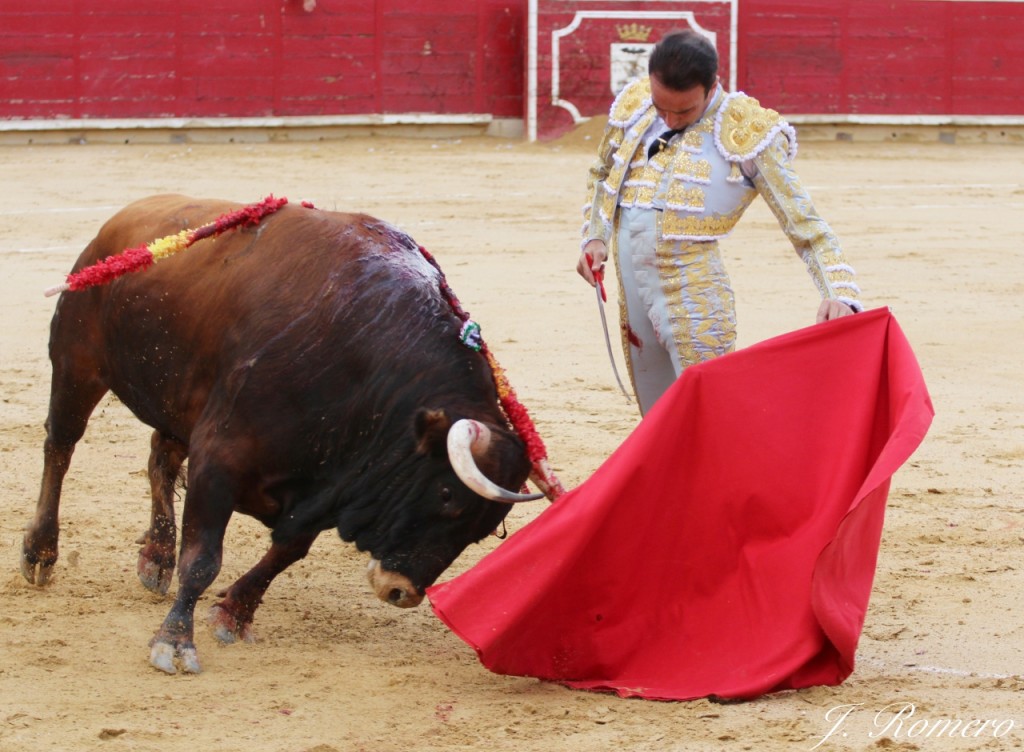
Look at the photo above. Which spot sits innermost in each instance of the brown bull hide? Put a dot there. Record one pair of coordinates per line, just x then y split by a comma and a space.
302, 366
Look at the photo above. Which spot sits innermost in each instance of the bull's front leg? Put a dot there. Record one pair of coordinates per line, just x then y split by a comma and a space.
231, 619
209, 502
157, 555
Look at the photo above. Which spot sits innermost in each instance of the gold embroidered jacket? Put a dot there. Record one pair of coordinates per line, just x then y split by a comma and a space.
704, 181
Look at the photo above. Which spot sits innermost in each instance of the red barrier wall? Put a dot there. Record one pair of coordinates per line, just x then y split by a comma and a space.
841, 58
268, 58
924, 57
583, 50
259, 58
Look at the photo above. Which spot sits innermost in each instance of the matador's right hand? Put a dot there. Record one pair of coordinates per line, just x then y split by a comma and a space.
591, 262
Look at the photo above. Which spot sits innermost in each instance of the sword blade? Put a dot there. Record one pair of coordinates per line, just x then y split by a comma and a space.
608, 341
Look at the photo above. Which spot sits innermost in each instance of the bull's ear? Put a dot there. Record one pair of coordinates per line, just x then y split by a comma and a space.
432, 431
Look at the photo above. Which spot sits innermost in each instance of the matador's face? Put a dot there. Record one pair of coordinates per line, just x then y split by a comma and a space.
679, 109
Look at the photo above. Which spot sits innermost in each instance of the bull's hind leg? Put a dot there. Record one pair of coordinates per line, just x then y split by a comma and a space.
157, 556
75, 390
232, 617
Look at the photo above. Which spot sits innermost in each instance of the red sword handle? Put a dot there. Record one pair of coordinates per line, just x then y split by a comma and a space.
598, 276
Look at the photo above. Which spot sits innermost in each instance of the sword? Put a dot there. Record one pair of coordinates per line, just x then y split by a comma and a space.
602, 296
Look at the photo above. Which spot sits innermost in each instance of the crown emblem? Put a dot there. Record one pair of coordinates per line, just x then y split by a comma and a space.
634, 32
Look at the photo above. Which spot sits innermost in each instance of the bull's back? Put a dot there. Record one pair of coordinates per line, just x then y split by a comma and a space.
147, 219
167, 338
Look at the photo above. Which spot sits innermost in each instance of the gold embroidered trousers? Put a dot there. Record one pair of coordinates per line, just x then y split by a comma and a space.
676, 303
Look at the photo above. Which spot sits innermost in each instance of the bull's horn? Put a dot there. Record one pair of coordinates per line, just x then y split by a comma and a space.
467, 438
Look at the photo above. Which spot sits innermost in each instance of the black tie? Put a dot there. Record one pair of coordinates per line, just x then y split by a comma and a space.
662, 141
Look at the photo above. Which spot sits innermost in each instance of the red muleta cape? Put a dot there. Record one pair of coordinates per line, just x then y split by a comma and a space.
728, 547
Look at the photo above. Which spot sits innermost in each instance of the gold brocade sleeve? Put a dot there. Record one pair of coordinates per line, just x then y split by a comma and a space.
598, 212
815, 243
597, 222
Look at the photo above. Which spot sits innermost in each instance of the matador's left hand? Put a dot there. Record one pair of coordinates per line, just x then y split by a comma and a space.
831, 308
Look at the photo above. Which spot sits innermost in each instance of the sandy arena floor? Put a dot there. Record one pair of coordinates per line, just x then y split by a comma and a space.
934, 231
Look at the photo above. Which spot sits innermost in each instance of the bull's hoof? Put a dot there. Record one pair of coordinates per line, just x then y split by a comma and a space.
36, 570
164, 655
227, 629
154, 577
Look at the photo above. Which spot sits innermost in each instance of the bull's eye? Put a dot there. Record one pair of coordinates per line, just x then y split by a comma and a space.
449, 508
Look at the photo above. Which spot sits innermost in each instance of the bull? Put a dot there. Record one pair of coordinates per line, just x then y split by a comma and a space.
311, 372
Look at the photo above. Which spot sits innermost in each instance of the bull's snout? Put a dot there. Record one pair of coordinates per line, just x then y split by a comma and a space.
393, 587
